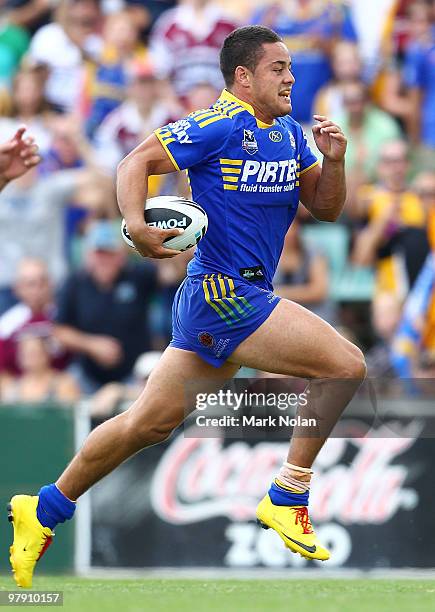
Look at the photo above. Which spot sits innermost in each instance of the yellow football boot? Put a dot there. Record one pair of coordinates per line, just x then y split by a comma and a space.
31, 539
293, 526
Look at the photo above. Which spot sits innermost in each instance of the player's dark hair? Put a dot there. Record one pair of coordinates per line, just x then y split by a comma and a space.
244, 47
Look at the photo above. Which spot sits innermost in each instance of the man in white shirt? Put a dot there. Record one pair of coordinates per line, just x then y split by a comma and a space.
185, 44
63, 45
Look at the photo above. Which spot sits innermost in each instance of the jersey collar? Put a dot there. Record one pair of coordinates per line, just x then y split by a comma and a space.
227, 96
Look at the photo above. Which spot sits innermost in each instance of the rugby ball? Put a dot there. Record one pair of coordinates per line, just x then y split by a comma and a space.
171, 212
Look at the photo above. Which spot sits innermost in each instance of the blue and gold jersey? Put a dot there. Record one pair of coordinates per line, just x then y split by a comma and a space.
245, 174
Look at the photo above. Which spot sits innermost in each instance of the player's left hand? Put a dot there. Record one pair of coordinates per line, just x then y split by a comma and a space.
17, 155
329, 138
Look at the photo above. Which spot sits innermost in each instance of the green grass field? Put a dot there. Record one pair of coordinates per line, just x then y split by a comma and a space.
326, 595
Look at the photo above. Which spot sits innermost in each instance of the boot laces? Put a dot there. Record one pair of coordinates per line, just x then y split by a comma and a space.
301, 517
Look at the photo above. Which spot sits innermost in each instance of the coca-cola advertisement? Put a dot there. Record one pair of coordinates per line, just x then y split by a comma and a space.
191, 501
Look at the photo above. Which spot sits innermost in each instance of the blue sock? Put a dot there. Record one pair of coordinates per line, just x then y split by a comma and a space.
53, 507
281, 497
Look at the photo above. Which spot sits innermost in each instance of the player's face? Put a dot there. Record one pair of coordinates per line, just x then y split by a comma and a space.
273, 80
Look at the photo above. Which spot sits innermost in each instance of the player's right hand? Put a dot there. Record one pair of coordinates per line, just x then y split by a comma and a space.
149, 241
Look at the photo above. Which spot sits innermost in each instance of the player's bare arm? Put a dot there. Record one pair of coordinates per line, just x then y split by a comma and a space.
148, 158
323, 189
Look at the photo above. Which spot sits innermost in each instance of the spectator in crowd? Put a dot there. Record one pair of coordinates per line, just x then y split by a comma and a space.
14, 42
105, 80
28, 14
141, 113
415, 337
242, 10
409, 28
346, 68
38, 381
18, 156
374, 23
367, 129
201, 95
401, 28
103, 310
146, 12
185, 44
310, 29
69, 147
395, 238
419, 76
32, 221
302, 275
386, 311
424, 186
107, 400
34, 313
29, 107
62, 46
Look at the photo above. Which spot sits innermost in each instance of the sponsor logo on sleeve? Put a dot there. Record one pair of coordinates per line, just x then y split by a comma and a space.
179, 129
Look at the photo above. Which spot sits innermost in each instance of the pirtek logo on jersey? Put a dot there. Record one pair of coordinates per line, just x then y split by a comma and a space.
270, 171
235, 172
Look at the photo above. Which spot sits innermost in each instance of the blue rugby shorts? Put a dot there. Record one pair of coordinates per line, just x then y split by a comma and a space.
213, 313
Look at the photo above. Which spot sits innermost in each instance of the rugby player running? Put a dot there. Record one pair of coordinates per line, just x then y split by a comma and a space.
249, 166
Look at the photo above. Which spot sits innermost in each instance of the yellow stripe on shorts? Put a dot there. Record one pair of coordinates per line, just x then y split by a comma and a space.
220, 300
239, 297
233, 299
213, 305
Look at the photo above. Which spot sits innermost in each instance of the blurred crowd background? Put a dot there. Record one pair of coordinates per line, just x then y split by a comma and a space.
80, 314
